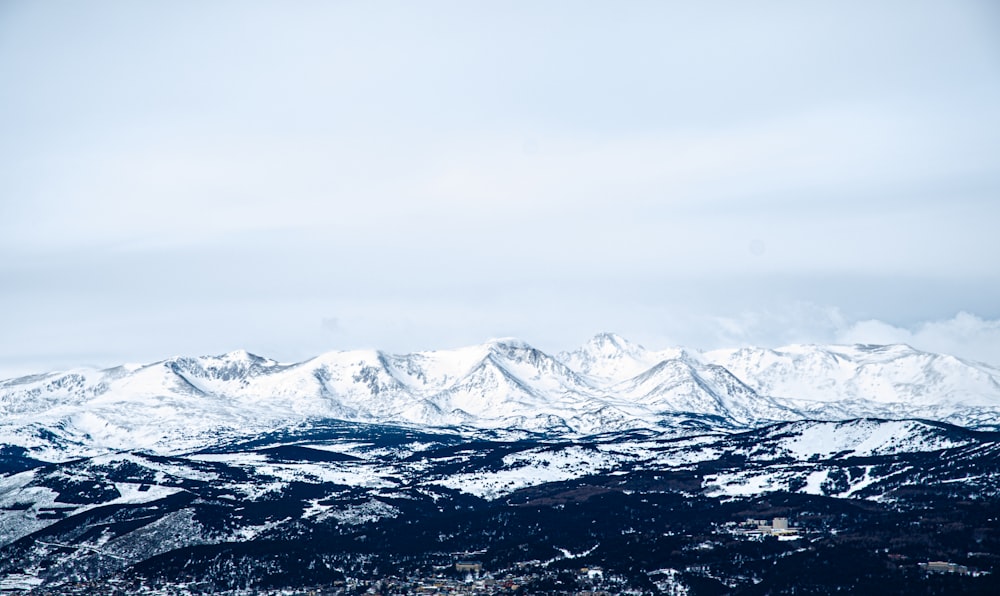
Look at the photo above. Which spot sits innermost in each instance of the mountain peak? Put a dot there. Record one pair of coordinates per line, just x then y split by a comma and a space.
508, 342
240, 355
608, 343
607, 356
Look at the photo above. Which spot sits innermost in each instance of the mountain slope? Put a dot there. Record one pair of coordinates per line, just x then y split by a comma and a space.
609, 384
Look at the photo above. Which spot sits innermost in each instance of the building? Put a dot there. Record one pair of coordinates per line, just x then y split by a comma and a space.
469, 566
944, 567
775, 527
592, 572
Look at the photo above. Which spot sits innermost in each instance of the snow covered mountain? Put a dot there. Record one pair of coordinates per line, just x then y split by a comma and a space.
609, 384
235, 472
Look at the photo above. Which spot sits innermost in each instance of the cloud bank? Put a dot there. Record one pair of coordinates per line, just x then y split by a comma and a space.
965, 335
189, 178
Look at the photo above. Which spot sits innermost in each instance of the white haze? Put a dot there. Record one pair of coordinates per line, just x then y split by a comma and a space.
189, 178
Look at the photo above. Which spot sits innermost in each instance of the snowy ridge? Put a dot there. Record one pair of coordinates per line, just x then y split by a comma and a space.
608, 384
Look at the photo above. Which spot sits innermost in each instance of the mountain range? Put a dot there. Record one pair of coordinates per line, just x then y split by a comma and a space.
364, 471
504, 385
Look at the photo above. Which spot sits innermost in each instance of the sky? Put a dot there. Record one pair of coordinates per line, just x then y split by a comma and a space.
297, 177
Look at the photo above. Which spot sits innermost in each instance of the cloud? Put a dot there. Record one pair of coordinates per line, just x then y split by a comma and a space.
799, 322
683, 180
965, 335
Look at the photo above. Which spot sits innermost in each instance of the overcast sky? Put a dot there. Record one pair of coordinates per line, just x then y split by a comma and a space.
296, 177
